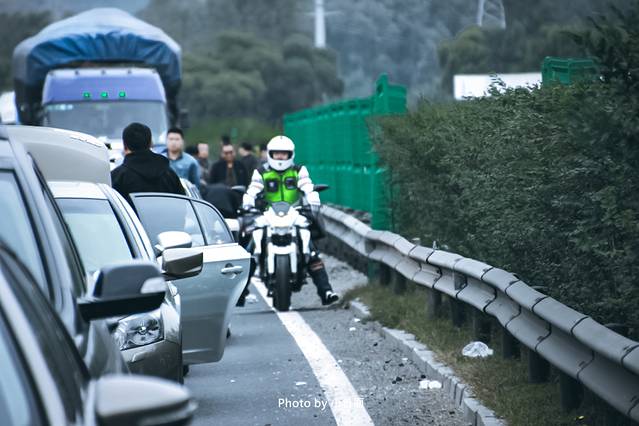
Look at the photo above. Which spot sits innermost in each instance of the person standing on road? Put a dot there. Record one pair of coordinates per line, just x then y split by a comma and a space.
202, 158
247, 158
143, 170
263, 155
224, 140
228, 170
184, 165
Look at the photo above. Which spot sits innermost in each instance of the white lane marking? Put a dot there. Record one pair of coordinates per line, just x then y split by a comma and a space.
347, 406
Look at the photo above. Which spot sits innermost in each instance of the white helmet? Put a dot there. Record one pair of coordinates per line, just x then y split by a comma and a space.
280, 143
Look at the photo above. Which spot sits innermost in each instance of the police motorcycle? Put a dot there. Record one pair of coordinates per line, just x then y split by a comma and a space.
281, 244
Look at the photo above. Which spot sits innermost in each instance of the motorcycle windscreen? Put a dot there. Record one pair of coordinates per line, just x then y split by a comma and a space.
207, 299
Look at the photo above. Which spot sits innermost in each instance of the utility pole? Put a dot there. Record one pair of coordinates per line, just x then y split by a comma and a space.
320, 25
491, 13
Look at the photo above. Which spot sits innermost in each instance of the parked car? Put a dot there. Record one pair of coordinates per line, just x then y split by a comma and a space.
32, 225
209, 298
44, 378
198, 320
106, 231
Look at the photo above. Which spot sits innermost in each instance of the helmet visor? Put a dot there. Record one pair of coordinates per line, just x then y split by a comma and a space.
281, 155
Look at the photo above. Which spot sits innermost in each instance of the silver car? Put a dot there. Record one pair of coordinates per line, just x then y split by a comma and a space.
106, 231
208, 299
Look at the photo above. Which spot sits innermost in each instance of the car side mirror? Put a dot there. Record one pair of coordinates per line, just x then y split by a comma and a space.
172, 239
124, 289
142, 400
320, 187
180, 263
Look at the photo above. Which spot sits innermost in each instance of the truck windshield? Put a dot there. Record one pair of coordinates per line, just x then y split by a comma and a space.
107, 118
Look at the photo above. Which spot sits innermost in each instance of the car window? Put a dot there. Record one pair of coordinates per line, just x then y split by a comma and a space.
16, 230
215, 229
18, 404
73, 261
96, 231
161, 214
62, 358
131, 217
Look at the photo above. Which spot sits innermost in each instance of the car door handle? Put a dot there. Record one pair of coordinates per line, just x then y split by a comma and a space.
229, 270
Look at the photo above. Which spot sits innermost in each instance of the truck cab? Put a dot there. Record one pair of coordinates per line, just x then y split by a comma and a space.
103, 101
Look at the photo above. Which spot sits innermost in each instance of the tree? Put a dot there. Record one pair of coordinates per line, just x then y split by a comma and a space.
531, 34
248, 76
15, 27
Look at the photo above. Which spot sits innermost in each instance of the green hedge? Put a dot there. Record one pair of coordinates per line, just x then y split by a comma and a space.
543, 183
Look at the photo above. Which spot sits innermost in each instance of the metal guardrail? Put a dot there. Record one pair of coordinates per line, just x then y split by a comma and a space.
602, 360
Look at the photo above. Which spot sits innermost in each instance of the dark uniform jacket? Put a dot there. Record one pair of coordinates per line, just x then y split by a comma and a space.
145, 171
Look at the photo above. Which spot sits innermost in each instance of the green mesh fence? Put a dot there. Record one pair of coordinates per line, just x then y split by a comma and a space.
334, 142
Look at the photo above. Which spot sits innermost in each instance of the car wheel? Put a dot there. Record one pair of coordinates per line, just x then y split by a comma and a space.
185, 370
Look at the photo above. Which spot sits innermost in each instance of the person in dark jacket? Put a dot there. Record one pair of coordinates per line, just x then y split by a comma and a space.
247, 158
223, 198
228, 170
143, 170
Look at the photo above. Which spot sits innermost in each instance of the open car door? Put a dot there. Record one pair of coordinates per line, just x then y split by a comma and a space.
209, 298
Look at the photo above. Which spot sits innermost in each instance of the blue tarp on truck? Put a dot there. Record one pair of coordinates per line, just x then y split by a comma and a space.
98, 36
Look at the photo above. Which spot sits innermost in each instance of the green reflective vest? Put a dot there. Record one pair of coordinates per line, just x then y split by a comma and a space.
280, 186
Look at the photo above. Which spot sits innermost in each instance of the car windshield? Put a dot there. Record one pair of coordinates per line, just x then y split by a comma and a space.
96, 232
107, 118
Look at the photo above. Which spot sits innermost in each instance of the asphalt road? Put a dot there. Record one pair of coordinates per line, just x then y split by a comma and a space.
265, 379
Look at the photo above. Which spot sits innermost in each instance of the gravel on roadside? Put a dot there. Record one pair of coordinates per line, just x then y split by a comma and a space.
386, 380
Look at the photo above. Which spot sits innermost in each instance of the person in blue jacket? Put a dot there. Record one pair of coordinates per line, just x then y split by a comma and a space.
183, 164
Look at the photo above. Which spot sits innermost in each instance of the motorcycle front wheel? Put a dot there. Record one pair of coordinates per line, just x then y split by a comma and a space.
282, 284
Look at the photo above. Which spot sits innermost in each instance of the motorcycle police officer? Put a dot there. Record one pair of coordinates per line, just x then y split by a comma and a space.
281, 180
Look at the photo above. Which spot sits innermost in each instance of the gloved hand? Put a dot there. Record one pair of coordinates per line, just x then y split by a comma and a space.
247, 210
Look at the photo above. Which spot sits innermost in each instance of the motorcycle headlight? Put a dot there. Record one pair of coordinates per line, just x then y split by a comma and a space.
139, 330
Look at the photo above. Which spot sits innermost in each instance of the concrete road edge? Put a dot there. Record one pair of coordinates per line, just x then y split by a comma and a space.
474, 412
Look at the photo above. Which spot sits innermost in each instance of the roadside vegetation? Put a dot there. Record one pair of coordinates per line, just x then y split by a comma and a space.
501, 384
245, 65
542, 182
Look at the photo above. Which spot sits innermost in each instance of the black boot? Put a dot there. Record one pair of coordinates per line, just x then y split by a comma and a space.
242, 300
318, 274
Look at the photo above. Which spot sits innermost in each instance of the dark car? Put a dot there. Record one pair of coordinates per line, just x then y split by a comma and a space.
44, 379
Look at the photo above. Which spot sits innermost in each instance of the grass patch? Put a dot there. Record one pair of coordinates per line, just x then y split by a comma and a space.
500, 384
